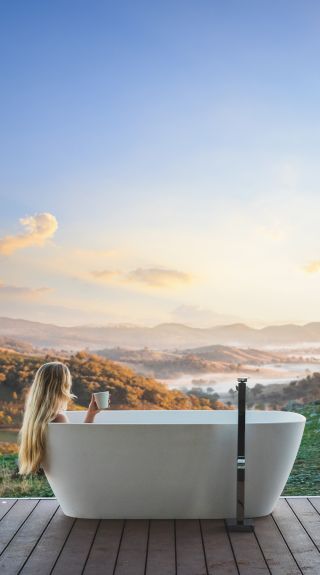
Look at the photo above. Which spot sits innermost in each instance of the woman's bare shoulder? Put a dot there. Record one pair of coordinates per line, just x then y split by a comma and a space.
60, 418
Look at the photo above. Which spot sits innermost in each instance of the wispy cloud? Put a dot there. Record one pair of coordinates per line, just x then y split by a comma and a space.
37, 230
158, 277
22, 292
151, 277
312, 267
106, 275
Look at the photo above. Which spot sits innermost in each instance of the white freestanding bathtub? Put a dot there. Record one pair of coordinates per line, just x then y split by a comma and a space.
169, 464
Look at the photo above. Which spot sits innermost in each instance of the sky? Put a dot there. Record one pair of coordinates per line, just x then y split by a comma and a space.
159, 161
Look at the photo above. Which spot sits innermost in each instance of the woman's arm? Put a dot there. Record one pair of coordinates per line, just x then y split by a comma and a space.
92, 411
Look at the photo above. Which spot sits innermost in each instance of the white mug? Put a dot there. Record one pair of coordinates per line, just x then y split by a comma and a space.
102, 399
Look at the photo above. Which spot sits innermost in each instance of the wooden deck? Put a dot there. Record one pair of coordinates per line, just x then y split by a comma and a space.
37, 539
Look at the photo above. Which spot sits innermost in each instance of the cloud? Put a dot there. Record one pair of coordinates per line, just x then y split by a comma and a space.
78, 263
37, 230
105, 275
12, 291
158, 277
152, 277
312, 267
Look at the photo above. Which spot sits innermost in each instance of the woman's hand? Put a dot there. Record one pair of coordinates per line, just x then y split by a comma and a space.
92, 410
93, 407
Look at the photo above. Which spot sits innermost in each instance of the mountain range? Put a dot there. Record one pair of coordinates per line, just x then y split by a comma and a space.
166, 336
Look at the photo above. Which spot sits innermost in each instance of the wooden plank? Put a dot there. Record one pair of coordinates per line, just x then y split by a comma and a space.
44, 556
315, 502
133, 548
274, 548
304, 551
5, 505
13, 520
248, 554
76, 549
104, 551
308, 516
218, 551
32, 536
190, 552
20, 547
161, 549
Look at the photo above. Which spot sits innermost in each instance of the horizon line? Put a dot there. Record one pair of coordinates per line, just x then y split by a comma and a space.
129, 325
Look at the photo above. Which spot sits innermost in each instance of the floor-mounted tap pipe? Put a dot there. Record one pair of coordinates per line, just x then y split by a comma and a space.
241, 523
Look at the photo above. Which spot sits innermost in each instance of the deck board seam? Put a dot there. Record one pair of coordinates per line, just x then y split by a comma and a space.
147, 548
15, 533
91, 545
297, 516
34, 546
119, 546
287, 545
175, 546
231, 546
313, 506
63, 545
262, 553
12, 506
203, 548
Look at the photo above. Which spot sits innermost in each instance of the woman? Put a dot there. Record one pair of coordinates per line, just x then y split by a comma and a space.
48, 396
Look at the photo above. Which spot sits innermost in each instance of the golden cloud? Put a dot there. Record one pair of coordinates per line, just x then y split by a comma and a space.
105, 274
37, 230
12, 291
152, 277
158, 277
312, 267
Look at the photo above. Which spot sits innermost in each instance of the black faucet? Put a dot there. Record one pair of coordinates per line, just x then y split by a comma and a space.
241, 523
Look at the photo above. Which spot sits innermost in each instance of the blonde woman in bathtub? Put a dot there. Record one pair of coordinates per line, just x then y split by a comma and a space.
47, 398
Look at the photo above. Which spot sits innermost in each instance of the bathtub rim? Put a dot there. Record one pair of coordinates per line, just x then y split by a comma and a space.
289, 417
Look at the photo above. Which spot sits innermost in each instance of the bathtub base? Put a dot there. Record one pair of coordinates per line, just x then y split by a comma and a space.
246, 525
167, 514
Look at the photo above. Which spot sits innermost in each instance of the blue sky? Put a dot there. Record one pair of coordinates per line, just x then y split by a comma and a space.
176, 145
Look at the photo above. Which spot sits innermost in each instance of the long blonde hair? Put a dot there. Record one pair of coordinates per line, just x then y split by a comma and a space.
49, 392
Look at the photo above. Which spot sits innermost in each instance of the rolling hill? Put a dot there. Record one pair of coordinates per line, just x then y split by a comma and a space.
165, 336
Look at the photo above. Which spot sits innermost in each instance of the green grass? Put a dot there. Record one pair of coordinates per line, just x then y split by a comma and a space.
304, 478
14, 485
305, 475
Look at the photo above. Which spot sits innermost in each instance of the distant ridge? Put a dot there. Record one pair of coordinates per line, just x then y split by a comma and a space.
161, 336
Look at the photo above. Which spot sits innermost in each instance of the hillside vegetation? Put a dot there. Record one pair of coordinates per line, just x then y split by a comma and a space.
165, 365
210, 359
278, 395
